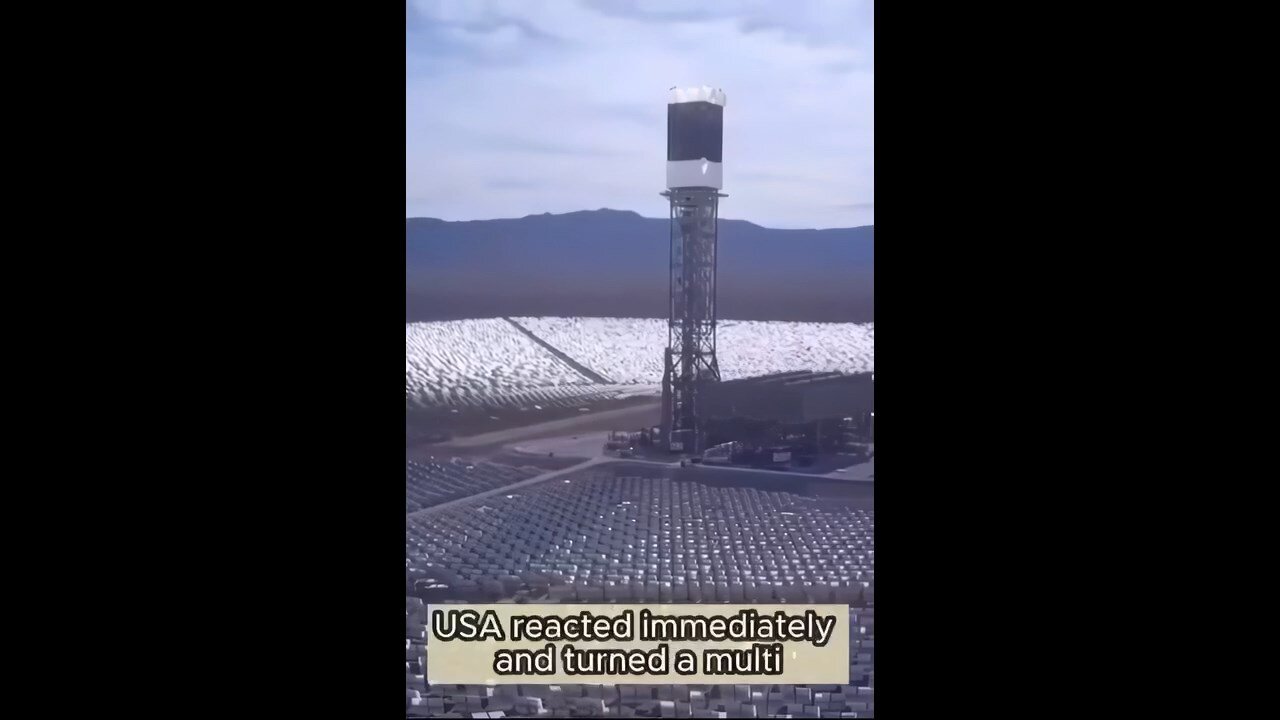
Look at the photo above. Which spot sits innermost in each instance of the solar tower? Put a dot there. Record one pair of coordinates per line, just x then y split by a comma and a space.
695, 134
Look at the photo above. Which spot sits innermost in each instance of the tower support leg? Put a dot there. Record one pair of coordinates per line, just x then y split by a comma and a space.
690, 359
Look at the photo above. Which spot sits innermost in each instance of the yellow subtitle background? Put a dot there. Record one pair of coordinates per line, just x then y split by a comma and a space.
471, 662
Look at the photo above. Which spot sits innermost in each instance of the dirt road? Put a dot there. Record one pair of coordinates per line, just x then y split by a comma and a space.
627, 418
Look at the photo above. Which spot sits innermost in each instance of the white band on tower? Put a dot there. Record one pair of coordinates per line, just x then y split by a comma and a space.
706, 93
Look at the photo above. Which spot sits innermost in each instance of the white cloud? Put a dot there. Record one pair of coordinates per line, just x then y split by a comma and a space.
516, 108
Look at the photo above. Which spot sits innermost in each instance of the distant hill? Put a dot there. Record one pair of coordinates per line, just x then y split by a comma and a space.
614, 263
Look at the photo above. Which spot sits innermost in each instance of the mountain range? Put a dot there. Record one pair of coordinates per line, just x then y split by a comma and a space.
615, 263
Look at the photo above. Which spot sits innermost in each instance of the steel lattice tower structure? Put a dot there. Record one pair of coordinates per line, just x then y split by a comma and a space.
695, 132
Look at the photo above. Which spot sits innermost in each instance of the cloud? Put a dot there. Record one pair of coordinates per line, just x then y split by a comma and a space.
512, 184
780, 177
756, 24
485, 36
568, 99
651, 12
810, 22
840, 68
517, 144
648, 115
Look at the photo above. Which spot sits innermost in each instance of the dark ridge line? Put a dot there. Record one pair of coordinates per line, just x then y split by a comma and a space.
578, 367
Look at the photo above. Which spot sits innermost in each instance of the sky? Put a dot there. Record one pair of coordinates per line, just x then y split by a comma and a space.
520, 107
